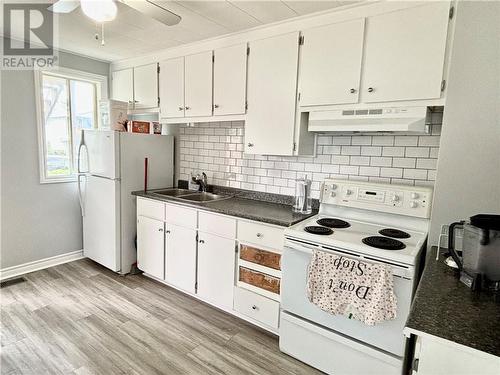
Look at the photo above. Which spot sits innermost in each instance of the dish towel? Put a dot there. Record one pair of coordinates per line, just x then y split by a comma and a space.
356, 289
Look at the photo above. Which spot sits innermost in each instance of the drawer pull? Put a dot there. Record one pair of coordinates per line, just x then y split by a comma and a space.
260, 235
254, 307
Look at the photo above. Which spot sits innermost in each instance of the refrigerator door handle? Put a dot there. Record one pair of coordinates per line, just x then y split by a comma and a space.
81, 193
79, 159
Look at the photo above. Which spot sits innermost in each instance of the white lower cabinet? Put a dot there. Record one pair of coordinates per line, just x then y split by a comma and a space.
257, 307
436, 356
151, 246
180, 258
216, 267
196, 252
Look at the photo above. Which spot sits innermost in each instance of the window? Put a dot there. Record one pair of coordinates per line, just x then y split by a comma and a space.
66, 104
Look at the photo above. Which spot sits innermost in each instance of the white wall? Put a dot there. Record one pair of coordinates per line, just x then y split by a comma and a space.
38, 220
468, 174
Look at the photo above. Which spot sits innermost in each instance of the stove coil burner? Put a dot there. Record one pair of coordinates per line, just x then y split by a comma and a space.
333, 223
385, 243
394, 233
314, 229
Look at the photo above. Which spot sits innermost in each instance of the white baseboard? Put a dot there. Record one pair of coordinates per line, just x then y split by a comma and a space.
21, 269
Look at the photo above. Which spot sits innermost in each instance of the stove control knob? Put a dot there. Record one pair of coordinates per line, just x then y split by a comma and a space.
395, 198
414, 195
334, 186
413, 204
348, 192
333, 194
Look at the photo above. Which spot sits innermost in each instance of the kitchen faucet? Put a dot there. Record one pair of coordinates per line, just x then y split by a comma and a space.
201, 179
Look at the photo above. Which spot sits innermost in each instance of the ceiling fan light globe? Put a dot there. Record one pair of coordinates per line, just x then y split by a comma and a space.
99, 10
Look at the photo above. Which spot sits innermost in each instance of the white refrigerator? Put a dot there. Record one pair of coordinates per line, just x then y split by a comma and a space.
111, 166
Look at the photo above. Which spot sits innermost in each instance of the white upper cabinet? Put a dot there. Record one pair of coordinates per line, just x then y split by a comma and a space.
331, 63
122, 85
136, 86
404, 53
172, 88
146, 86
230, 73
272, 91
198, 84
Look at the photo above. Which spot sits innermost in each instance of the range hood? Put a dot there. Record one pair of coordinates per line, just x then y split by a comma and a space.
389, 119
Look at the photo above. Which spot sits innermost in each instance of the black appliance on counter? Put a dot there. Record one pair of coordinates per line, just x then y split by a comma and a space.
479, 264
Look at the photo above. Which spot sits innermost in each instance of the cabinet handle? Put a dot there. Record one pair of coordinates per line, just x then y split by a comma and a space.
136, 101
201, 241
370, 89
187, 108
160, 230
352, 91
250, 144
216, 106
260, 235
255, 307
167, 231
181, 108
130, 102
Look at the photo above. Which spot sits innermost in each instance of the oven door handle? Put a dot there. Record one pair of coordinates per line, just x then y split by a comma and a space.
301, 247
401, 272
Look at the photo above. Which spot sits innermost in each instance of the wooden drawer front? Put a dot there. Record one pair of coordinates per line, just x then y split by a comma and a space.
262, 257
260, 280
184, 217
150, 208
261, 234
216, 224
257, 307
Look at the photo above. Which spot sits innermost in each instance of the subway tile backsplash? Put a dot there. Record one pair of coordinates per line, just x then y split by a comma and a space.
217, 149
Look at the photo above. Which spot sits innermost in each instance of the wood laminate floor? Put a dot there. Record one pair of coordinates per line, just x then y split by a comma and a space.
80, 318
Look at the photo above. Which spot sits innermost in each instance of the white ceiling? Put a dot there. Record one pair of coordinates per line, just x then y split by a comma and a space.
133, 33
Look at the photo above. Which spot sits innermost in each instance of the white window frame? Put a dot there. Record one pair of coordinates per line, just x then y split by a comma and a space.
101, 83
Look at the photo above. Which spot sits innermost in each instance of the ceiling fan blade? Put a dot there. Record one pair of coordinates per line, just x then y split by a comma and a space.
155, 11
64, 6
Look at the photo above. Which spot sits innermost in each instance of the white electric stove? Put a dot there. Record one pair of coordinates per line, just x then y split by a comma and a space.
376, 223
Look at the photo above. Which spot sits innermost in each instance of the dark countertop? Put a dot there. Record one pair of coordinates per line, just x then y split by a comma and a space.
241, 206
446, 308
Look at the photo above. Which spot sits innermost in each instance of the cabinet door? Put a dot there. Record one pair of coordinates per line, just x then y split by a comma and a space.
330, 64
146, 86
198, 84
272, 89
404, 53
172, 88
230, 77
150, 246
180, 259
216, 267
122, 85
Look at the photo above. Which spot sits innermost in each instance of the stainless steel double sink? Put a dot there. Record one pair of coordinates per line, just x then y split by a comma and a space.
189, 195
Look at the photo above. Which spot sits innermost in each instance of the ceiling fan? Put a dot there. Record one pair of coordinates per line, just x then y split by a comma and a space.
105, 10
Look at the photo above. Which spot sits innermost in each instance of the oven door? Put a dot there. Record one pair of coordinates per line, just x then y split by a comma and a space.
387, 336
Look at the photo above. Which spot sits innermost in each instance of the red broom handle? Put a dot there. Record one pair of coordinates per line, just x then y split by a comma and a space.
145, 174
